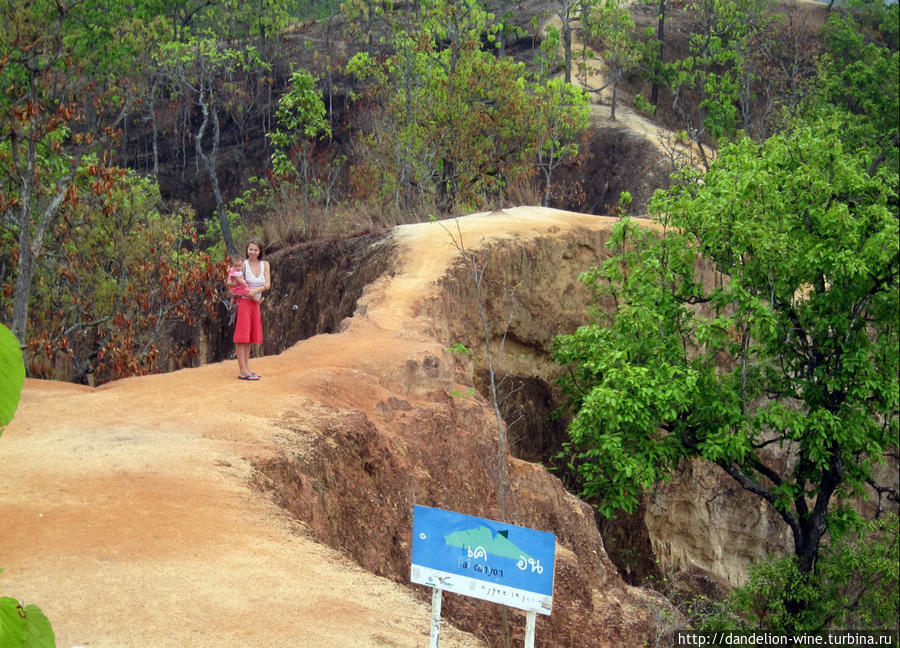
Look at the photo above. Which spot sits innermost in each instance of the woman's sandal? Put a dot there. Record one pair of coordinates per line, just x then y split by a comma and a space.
250, 377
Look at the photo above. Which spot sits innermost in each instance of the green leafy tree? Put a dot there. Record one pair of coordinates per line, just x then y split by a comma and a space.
569, 11
259, 20
610, 26
855, 586
188, 16
562, 115
782, 369
708, 84
36, 164
366, 18
659, 50
453, 124
857, 79
301, 118
506, 30
305, 171
450, 124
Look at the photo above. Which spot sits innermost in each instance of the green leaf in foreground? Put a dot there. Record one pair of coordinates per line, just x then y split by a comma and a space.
40, 634
24, 627
12, 375
12, 623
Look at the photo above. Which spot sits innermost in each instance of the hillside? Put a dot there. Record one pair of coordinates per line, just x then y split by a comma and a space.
194, 509
145, 512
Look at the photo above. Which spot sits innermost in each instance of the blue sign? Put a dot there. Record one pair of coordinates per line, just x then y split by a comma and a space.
494, 561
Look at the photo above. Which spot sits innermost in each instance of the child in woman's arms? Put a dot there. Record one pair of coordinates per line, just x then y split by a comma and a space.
236, 282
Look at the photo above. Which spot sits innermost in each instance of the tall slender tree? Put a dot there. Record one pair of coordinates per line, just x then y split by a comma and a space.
36, 165
214, 77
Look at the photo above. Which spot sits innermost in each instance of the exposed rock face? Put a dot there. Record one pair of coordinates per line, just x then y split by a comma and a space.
409, 428
700, 529
702, 524
354, 477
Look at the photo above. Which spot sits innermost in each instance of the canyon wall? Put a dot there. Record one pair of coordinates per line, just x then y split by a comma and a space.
429, 436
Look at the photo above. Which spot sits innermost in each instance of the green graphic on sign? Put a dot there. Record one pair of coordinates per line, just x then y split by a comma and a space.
486, 542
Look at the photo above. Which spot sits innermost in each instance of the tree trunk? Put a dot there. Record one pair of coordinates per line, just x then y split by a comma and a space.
567, 44
24, 279
448, 185
25, 262
502, 12
548, 171
30, 239
547, 176
660, 35
210, 162
810, 527
29, 250
612, 105
155, 131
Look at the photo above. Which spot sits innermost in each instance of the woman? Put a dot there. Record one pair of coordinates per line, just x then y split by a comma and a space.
248, 321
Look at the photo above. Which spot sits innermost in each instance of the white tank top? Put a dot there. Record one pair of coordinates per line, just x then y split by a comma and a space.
255, 281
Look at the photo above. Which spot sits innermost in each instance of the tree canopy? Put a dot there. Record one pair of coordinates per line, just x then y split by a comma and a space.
760, 314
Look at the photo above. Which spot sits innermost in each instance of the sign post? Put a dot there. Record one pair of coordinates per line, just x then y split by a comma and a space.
530, 619
435, 640
485, 559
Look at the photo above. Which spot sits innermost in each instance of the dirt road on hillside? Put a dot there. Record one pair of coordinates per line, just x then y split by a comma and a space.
127, 512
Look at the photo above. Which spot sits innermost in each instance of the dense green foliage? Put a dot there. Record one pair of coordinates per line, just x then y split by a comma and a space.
856, 585
858, 80
456, 124
609, 25
761, 316
806, 307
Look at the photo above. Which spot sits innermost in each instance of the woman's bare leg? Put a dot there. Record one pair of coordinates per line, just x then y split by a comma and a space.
242, 351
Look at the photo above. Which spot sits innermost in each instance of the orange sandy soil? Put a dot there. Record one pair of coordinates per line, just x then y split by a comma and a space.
127, 511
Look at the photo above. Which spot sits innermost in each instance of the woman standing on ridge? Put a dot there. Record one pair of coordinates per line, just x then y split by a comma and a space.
248, 321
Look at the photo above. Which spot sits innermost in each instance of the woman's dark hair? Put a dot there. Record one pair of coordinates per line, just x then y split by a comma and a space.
257, 243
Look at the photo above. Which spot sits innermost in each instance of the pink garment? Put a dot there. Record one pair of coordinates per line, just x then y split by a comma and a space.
248, 323
238, 290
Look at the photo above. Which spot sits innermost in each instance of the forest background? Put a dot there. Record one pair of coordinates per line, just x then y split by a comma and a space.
142, 140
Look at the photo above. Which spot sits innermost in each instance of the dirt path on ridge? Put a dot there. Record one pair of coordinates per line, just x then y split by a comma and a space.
127, 512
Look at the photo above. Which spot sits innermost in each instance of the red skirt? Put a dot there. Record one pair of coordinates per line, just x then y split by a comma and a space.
248, 322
